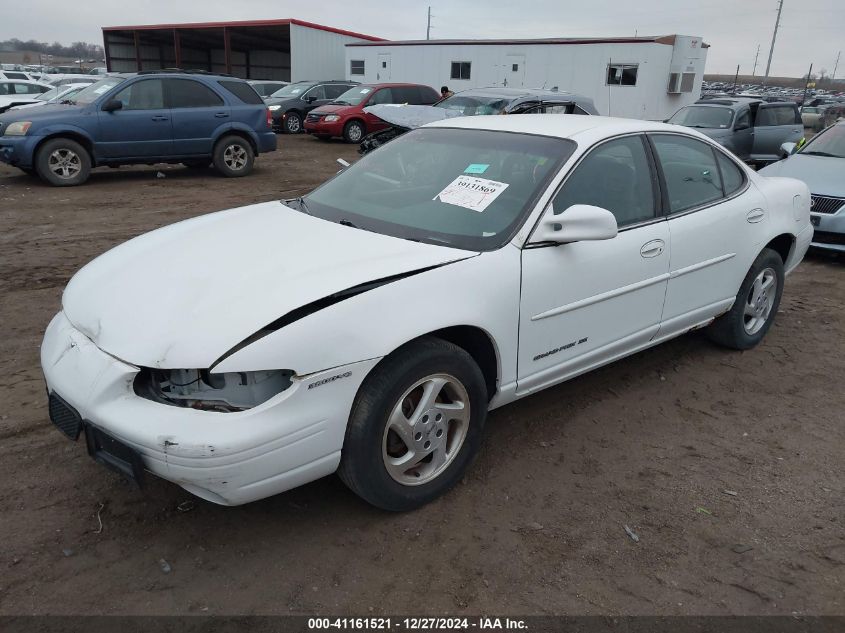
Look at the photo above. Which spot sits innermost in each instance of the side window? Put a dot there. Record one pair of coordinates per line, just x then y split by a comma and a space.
242, 91
147, 94
333, 91
558, 108
316, 93
405, 94
385, 95
776, 115
622, 74
689, 168
615, 176
187, 93
4, 88
732, 176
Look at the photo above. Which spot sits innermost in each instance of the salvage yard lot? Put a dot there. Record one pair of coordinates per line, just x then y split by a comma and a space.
537, 526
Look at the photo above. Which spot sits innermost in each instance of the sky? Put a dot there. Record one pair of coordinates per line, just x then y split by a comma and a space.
811, 30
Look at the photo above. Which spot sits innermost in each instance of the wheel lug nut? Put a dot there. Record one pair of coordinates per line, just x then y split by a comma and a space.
439, 417
439, 432
427, 444
418, 436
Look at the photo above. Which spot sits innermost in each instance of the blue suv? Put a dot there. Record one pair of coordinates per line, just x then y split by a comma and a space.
185, 117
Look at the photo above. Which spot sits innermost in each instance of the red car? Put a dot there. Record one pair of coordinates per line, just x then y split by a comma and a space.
345, 115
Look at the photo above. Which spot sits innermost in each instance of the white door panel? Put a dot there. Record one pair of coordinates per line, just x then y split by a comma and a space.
580, 298
710, 257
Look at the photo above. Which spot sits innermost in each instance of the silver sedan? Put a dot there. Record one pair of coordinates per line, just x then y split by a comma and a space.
820, 164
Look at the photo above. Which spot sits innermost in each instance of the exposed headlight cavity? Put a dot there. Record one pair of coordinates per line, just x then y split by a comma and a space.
201, 389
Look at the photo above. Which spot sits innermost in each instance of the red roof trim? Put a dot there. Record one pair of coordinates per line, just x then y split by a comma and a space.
607, 40
244, 23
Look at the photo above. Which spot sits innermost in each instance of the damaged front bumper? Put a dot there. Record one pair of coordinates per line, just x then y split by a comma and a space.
229, 458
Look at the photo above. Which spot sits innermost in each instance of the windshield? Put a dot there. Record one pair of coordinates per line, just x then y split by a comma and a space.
50, 94
91, 93
470, 106
703, 116
291, 90
354, 96
829, 143
470, 189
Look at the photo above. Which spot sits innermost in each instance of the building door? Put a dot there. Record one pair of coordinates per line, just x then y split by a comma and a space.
512, 71
383, 70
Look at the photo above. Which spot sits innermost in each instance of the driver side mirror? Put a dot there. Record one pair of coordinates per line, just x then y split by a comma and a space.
580, 222
787, 149
310, 99
112, 104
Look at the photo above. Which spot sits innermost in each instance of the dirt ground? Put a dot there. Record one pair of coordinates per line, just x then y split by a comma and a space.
536, 527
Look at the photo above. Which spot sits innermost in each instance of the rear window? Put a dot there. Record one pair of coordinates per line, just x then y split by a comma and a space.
242, 91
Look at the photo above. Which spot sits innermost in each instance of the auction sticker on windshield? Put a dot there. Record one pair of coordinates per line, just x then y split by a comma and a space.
469, 192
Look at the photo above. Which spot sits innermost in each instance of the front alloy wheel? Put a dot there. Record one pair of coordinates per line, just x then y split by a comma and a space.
426, 430
415, 425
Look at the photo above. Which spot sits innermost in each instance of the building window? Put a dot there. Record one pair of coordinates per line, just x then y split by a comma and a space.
461, 70
622, 74
687, 82
356, 67
515, 68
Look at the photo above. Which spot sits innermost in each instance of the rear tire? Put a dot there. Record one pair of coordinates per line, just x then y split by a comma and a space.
62, 162
354, 131
233, 156
755, 307
415, 426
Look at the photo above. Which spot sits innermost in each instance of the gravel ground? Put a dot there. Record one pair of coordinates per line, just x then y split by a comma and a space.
536, 527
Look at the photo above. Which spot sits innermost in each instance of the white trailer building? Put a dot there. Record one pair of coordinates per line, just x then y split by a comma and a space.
636, 77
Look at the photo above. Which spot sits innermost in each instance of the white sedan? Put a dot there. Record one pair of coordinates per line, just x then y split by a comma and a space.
367, 328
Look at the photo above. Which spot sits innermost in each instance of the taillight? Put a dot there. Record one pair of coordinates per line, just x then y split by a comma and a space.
269, 118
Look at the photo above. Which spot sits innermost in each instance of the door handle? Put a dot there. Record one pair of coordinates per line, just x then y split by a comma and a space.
755, 215
160, 117
652, 248
221, 115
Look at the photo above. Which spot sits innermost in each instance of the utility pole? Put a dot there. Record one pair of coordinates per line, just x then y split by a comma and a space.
833, 76
754, 72
774, 37
806, 83
736, 76
428, 28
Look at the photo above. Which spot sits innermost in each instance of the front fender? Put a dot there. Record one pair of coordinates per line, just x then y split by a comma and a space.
480, 291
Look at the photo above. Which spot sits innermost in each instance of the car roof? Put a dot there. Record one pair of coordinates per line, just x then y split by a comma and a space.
392, 85
561, 125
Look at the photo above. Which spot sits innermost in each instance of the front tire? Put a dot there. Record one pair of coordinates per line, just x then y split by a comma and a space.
293, 123
62, 162
755, 307
415, 426
353, 132
233, 156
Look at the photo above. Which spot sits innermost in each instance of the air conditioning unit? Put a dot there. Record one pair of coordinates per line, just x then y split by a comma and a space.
674, 86
680, 82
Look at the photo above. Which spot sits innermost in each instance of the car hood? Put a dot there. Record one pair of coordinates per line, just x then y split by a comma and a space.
822, 174
335, 109
410, 116
49, 111
184, 295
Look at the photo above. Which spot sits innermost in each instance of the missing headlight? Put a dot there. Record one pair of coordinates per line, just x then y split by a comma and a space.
201, 389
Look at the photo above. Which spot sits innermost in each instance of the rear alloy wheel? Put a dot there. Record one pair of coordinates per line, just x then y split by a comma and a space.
353, 132
233, 156
415, 426
293, 123
63, 163
756, 304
